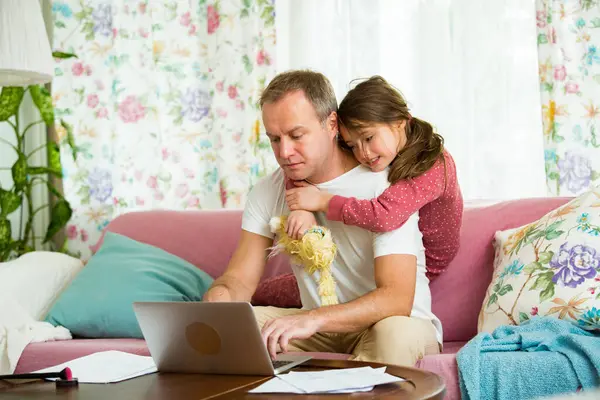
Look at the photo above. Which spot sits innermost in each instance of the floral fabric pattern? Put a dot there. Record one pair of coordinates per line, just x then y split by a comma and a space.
550, 267
569, 71
163, 101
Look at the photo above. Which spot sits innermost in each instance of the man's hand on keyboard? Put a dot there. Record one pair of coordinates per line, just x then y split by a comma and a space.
280, 331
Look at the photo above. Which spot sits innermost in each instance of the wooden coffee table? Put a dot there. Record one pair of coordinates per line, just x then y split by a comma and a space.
420, 384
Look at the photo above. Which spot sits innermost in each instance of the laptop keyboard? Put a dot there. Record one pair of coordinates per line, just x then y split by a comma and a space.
279, 364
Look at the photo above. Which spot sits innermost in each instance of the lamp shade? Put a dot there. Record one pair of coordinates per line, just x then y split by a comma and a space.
25, 55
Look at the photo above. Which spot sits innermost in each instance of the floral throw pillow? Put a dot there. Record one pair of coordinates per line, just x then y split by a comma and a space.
550, 267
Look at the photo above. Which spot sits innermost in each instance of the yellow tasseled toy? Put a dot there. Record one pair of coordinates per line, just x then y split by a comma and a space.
315, 251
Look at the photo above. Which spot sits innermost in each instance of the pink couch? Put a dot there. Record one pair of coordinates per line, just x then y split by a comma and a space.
208, 238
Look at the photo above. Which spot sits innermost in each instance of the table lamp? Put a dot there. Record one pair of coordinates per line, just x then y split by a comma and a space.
25, 55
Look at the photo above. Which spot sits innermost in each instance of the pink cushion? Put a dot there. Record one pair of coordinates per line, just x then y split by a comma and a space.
206, 239
279, 291
458, 293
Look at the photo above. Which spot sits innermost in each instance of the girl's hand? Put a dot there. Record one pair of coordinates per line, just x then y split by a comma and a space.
307, 197
298, 222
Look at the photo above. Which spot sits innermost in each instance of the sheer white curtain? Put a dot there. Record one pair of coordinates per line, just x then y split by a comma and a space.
468, 67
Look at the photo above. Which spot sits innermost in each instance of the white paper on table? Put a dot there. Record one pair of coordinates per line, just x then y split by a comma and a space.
338, 379
107, 367
277, 385
329, 381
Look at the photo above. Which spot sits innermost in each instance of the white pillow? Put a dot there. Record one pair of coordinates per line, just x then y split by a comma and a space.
36, 279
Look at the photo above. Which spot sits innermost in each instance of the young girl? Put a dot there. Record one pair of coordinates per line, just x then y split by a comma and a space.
376, 126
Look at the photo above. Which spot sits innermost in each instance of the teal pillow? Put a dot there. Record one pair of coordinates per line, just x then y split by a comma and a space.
98, 302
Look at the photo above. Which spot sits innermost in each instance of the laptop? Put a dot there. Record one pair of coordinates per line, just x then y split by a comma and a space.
208, 338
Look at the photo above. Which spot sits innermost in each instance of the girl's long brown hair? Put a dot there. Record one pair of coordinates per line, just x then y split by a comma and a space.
376, 101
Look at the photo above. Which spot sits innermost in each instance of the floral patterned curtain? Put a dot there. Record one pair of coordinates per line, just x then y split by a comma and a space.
163, 101
569, 59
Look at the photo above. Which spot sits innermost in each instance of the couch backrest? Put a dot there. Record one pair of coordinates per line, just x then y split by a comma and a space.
458, 293
207, 239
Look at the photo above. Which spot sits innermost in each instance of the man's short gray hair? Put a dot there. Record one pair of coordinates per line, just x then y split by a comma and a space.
315, 85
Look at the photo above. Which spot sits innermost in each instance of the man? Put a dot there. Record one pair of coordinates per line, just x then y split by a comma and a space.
384, 312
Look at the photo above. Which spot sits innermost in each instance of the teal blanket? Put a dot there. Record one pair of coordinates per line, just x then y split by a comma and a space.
541, 357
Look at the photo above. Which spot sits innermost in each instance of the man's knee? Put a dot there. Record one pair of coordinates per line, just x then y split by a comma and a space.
397, 335
261, 314
264, 314
397, 340
390, 325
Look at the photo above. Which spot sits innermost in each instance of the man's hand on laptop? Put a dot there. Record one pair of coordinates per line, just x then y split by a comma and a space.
280, 331
216, 294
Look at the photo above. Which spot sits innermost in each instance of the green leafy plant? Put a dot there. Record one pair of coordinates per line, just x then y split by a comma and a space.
25, 176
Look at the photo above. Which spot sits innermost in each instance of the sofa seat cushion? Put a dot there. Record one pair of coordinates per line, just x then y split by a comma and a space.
445, 366
46, 354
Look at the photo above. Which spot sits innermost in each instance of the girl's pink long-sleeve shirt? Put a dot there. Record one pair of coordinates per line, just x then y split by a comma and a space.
435, 195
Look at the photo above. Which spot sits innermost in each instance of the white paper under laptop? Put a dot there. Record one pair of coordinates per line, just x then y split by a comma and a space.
107, 367
348, 380
217, 338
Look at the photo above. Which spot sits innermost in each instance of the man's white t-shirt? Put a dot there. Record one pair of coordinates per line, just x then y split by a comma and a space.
353, 267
